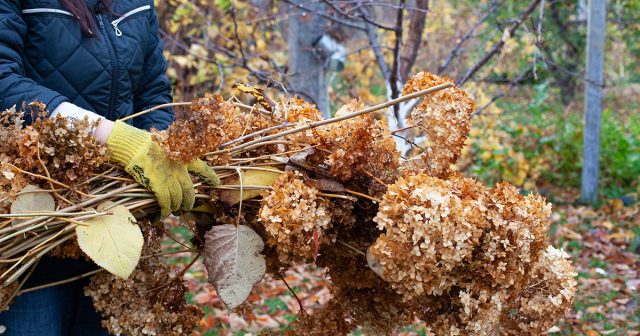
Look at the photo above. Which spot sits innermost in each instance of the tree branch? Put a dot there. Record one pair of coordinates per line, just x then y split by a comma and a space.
327, 16
414, 39
497, 48
504, 92
456, 50
395, 69
353, 18
372, 35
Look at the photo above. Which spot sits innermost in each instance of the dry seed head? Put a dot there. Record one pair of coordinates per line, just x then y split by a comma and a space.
444, 116
291, 213
547, 297
441, 233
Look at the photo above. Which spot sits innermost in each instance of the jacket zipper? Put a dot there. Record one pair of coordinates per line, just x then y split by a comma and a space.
114, 68
117, 21
45, 10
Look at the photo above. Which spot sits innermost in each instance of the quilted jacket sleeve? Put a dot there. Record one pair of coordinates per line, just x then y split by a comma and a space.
155, 88
15, 88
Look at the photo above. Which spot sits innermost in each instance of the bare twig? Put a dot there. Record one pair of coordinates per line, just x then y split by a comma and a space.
61, 282
161, 106
497, 47
302, 311
458, 47
347, 116
503, 93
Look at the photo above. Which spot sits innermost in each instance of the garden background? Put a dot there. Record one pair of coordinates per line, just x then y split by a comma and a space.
524, 63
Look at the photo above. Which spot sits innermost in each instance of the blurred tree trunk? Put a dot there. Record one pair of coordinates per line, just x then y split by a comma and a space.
307, 73
596, 26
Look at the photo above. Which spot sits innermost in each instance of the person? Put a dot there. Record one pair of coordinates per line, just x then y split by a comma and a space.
99, 59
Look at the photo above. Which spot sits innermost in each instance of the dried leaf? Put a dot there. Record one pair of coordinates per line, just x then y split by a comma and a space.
233, 261
322, 184
374, 263
31, 199
114, 241
249, 178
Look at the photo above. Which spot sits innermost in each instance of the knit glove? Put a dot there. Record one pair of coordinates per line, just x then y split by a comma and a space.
148, 164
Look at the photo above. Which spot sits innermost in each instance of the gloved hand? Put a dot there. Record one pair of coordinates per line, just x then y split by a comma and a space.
150, 167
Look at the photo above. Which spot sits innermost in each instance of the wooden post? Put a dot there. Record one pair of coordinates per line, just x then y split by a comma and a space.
596, 30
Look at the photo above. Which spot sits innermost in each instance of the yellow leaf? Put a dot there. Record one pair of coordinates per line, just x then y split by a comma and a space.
249, 178
114, 241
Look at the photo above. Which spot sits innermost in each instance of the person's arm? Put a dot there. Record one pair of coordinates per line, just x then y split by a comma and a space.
154, 88
15, 88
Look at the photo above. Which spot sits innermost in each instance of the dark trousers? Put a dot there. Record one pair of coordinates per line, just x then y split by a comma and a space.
61, 310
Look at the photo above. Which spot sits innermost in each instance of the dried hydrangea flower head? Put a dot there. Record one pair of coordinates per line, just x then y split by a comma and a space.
517, 235
431, 230
546, 298
352, 147
471, 310
11, 181
65, 146
341, 147
440, 233
131, 307
292, 213
383, 162
295, 110
210, 123
444, 116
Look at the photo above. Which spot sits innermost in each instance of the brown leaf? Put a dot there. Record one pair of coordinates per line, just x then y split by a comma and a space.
31, 199
233, 261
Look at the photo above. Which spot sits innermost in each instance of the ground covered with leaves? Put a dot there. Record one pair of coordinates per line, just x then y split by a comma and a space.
604, 245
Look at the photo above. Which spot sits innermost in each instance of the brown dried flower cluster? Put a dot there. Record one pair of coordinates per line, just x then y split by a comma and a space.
11, 181
6, 293
471, 310
292, 213
465, 249
207, 126
549, 294
296, 110
135, 307
341, 147
61, 148
439, 233
444, 118
345, 149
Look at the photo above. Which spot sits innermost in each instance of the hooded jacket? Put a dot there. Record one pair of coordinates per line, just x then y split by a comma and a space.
45, 57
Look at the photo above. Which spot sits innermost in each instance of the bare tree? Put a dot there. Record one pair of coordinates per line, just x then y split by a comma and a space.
596, 30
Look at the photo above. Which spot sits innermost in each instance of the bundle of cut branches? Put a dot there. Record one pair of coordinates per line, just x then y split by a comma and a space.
402, 238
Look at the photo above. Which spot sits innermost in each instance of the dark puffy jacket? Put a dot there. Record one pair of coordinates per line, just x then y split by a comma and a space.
44, 56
